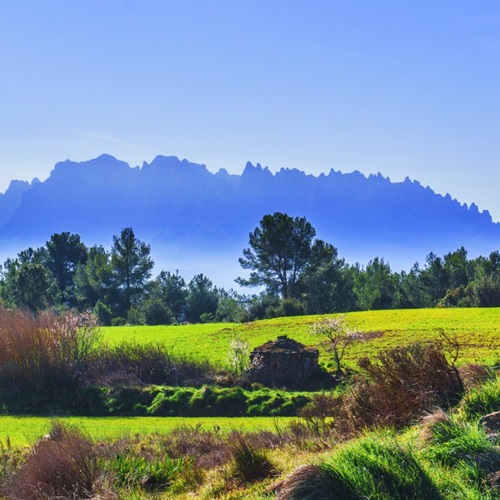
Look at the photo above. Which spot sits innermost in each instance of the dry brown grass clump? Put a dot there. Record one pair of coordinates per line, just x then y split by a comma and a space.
473, 375
61, 465
45, 351
307, 482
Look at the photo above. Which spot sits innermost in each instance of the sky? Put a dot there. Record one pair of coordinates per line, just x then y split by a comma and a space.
404, 88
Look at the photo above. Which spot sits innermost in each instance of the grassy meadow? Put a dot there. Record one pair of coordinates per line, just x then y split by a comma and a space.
475, 328
23, 431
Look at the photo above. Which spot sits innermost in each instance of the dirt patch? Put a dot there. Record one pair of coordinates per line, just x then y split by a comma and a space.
372, 335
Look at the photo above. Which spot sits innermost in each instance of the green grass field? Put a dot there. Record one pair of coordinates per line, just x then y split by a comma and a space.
22, 431
476, 329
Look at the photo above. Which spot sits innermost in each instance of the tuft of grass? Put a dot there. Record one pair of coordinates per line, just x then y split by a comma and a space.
481, 400
132, 472
372, 467
249, 463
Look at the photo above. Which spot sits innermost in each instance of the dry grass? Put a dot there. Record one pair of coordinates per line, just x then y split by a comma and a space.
63, 465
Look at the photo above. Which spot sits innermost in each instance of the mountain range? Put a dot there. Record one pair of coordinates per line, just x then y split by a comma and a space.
199, 221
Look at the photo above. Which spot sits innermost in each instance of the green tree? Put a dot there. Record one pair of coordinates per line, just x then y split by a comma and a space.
131, 266
435, 278
65, 252
170, 288
376, 286
326, 287
93, 279
26, 282
202, 299
280, 250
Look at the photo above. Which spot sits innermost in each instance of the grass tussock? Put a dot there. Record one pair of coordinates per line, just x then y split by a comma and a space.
481, 400
249, 462
372, 467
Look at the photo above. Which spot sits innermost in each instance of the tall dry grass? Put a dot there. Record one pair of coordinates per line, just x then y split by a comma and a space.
44, 351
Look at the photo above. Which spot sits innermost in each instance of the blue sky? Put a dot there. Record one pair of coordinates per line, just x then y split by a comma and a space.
401, 88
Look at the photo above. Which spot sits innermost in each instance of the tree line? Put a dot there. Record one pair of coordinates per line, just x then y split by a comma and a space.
296, 272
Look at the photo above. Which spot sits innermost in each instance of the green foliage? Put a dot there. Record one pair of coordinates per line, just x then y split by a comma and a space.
452, 443
202, 300
133, 471
103, 313
280, 250
65, 252
131, 266
372, 467
482, 400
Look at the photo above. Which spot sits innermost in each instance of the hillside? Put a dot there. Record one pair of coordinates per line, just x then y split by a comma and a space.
199, 220
475, 328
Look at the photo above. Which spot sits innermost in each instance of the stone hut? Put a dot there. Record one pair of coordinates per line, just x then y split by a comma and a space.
283, 362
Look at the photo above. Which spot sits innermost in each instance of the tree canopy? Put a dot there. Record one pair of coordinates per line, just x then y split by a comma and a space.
281, 248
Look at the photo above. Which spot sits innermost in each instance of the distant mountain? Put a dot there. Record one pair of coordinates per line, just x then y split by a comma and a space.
192, 217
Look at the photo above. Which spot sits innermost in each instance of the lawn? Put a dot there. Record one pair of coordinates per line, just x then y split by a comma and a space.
22, 431
476, 329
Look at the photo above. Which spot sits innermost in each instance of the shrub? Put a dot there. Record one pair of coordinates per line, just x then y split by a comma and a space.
319, 412
207, 449
103, 313
142, 364
64, 464
401, 385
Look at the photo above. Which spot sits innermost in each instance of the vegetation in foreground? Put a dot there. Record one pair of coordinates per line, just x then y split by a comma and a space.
409, 420
433, 442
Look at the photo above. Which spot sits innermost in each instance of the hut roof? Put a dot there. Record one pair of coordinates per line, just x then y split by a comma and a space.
283, 344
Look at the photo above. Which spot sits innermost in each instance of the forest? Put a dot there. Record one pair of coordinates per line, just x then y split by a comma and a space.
295, 274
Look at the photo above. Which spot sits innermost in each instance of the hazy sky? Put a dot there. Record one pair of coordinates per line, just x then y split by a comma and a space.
402, 88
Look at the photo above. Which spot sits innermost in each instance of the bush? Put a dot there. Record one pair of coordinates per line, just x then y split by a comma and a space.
143, 364
62, 465
401, 385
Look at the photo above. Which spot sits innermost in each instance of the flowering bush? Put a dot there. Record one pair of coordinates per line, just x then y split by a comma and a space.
238, 355
337, 337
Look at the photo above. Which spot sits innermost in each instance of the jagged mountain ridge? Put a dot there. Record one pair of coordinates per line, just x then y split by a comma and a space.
188, 211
